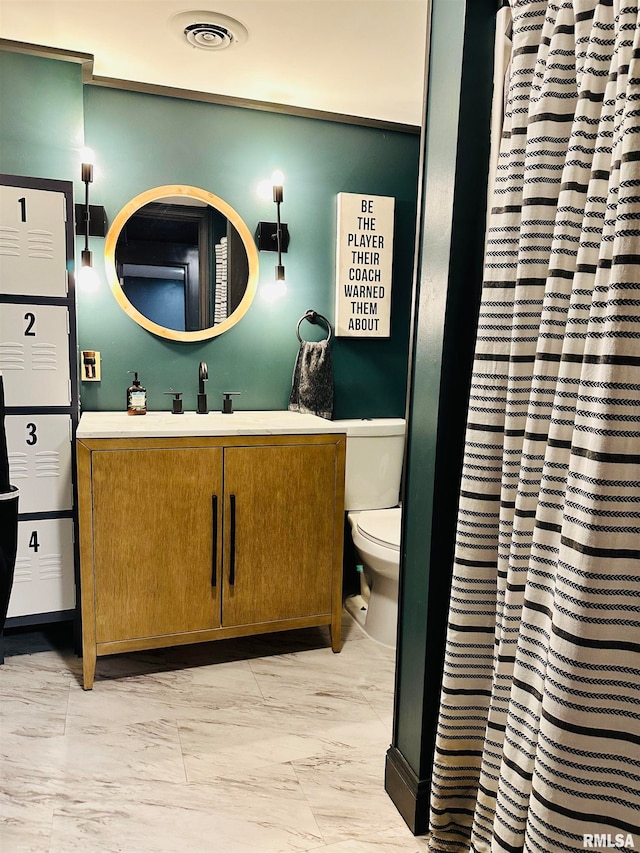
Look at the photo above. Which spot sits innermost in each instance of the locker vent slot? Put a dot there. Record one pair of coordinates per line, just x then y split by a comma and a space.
9, 241
48, 463
41, 244
18, 465
11, 356
23, 571
44, 357
50, 566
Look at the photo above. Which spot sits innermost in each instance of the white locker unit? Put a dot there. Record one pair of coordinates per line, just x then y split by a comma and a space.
39, 367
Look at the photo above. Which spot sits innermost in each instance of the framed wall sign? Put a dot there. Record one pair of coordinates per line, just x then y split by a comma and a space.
364, 262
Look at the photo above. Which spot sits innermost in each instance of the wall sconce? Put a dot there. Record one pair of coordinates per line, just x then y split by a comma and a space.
91, 221
274, 236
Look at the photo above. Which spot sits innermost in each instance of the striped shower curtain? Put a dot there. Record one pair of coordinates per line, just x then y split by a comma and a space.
538, 741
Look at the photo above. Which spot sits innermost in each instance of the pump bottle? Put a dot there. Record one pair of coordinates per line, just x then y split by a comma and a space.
136, 397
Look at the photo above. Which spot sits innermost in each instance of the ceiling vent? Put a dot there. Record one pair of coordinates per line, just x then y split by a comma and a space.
208, 30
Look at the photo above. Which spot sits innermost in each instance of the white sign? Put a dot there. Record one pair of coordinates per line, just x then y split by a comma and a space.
363, 265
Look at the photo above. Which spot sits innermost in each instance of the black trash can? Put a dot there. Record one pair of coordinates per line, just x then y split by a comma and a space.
8, 520
8, 547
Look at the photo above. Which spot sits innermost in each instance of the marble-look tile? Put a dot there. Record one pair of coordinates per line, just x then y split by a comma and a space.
286, 676
346, 794
33, 702
380, 698
372, 674
159, 695
149, 750
28, 794
256, 745
114, 667
156, 818
25, 833
254, 738
384, 842
47, 664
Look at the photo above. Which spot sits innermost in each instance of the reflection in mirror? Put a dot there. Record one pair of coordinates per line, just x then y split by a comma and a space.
182, 264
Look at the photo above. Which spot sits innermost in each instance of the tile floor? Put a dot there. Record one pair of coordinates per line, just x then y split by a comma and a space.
257, 745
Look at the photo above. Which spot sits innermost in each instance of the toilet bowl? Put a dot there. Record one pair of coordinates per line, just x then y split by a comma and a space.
376, 537
375, 455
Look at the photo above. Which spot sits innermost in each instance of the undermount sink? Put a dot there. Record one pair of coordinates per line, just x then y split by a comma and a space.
165, 424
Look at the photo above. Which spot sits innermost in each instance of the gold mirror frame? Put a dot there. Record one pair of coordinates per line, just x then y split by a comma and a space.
177, 190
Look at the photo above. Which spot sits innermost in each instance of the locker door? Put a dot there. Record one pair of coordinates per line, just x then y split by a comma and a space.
33, 258
34, 354
40, 461
43, 580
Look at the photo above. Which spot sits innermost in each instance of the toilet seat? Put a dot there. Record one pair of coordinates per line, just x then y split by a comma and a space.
381, 526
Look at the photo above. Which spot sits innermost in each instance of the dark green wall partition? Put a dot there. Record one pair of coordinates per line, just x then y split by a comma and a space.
142, 140
454, 187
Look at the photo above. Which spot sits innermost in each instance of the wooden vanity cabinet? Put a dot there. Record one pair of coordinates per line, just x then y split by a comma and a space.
184, 540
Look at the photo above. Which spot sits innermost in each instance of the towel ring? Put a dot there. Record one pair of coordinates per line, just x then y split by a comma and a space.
314, 318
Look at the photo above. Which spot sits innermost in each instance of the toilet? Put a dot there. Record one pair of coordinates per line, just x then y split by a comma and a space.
375, 453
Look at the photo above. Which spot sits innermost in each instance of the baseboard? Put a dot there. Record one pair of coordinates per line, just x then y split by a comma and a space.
409, 794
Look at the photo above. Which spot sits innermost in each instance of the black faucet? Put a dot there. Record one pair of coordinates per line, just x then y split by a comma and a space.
203, 375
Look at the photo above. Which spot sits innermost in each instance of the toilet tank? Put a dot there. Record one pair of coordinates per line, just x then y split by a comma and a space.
375, 452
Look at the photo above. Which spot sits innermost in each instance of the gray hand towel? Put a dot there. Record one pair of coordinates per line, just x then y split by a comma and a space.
312, 385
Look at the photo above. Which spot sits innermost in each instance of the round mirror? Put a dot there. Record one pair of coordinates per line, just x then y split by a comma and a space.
181, 263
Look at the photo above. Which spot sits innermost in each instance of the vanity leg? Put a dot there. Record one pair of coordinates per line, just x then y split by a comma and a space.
88, 667
336, 632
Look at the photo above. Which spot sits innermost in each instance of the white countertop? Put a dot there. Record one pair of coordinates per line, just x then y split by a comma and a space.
167, 425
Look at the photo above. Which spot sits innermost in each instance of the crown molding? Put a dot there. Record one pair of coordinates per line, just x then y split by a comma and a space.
86, 60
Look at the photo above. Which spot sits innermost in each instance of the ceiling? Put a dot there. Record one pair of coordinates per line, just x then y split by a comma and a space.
361, 58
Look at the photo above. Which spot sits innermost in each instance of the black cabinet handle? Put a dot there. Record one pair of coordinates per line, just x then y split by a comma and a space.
232, 552
214, 537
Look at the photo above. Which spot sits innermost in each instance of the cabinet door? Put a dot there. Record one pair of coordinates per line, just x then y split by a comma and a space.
279, 532
40, 461
43, 581
156, 544
33, 257
34, 354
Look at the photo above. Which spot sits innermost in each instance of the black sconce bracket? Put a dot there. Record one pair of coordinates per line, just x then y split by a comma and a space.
267, 237
98, 226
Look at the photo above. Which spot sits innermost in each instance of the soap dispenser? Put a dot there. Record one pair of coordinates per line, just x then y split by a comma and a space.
176, 403
136, 397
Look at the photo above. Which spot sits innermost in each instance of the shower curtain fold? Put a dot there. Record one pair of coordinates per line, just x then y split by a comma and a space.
538, 741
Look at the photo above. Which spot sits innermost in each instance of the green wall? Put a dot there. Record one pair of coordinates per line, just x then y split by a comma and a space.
141, 141
41, 117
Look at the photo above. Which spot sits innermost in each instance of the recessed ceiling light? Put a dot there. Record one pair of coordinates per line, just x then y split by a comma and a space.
208, 30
